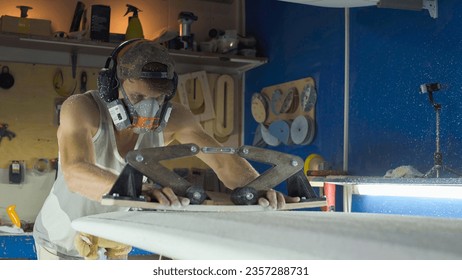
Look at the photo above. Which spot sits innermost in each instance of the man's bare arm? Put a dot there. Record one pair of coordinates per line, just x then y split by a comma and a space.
79, 121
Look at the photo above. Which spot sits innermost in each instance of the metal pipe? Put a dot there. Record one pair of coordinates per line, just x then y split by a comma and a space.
346, 108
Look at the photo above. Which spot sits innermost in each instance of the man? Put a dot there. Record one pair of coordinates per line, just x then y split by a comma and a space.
97, 129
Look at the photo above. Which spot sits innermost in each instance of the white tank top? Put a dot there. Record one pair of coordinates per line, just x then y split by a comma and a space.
52, 227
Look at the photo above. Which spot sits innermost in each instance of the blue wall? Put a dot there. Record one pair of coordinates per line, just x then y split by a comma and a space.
393, 52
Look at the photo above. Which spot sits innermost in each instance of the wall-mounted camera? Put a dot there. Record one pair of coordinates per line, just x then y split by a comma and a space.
426, 88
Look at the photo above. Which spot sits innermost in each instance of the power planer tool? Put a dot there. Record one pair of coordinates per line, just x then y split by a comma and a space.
126, 191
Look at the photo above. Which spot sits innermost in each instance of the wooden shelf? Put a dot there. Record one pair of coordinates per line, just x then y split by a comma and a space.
187, 59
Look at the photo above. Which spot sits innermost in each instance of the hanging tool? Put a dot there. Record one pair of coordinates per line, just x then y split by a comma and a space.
146, 162
58, 84
74, 64
4, 132
83, 82
6, 79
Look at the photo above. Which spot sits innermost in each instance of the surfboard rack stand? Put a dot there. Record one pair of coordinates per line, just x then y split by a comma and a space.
147, 162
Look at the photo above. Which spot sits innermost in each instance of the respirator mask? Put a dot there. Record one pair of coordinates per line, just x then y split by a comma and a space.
144, 116
143, 60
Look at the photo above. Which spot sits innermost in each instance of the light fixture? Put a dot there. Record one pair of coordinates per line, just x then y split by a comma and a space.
414, 190
412, 5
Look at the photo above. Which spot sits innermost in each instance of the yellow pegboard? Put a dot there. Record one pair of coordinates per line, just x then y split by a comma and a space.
29, 110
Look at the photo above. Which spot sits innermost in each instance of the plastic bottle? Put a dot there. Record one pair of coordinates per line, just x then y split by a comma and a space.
134, 28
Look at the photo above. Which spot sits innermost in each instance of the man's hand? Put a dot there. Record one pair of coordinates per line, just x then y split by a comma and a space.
88, 245
165, 196
276, 200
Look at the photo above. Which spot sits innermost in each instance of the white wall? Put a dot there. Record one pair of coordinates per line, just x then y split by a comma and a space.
28, 196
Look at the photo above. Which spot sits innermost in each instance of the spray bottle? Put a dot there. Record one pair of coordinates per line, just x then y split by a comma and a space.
134, 28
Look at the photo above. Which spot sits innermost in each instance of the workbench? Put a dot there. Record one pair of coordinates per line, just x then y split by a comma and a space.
22, 247
437, 188
17, 246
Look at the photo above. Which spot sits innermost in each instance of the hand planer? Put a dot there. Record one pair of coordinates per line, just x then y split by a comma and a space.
146, 162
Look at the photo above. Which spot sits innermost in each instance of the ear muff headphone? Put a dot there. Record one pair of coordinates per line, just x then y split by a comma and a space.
108, 86
108, 83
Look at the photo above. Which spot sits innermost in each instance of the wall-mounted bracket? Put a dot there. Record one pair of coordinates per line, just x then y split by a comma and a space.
432, 7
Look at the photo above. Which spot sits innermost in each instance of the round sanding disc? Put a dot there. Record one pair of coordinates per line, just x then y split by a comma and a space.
268, 138
308, 98
259, 107
276, 101
302, 130
281, 130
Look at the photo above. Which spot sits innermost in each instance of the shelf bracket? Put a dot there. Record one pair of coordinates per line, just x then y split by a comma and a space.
432, 7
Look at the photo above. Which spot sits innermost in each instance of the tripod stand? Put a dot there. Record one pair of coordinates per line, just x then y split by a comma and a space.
437, 156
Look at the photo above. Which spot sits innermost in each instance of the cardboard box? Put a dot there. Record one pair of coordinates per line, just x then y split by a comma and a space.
29, 26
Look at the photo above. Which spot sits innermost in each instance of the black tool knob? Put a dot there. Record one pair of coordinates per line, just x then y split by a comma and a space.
196, 194
244, 196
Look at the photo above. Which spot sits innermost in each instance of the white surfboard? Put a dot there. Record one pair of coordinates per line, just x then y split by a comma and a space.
280, 234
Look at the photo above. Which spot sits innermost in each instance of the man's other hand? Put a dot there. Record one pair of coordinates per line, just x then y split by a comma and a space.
165, 196
275, 200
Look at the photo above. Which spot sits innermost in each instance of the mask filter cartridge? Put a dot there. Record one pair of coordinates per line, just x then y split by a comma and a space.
118, 114
145, 117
